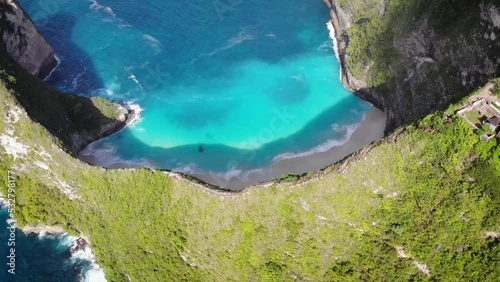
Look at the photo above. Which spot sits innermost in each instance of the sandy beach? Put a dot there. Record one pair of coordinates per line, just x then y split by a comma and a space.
369, 130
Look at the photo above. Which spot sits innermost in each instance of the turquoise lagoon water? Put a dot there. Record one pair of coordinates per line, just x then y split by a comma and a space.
223, 85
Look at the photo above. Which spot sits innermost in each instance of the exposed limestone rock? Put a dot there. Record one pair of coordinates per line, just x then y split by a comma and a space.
430, 67
23, 42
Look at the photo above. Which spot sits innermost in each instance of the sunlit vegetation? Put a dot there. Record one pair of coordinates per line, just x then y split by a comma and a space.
430, 191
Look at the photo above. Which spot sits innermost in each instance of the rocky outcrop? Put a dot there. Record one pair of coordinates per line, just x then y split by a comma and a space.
23, 42
106, 126
25, 55
420, 55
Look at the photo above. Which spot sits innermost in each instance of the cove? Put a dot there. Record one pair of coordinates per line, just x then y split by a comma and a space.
43, 257
225, 88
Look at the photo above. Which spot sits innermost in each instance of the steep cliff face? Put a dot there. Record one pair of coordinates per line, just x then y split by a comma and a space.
23, 42
416, 56
25, 54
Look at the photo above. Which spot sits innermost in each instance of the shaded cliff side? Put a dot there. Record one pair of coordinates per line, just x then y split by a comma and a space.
23, 42
413, 57
75, 120
24, 54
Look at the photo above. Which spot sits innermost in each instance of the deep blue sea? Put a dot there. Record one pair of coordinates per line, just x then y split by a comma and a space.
43, 258
223, 84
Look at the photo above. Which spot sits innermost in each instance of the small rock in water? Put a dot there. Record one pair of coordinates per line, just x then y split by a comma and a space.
79, 245
201, 149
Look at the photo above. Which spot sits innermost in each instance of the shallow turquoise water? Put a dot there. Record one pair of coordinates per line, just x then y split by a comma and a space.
222, 86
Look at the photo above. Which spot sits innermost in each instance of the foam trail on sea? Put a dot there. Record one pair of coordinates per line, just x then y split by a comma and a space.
74, 82
58, 60
245, 34
153, 42
97, 7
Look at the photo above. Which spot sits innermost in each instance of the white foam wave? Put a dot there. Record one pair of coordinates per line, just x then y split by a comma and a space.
326, 46
333, 36
105, 156
271, 35
153, 42
329, 144
124, 25
103, 92
338, 128
187, 169
64, 240
262, 171
231, 173
137, 109
94, 273
58, 60
133, 77
98, 7
355, 112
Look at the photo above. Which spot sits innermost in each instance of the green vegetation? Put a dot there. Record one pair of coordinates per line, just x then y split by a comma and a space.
67, 117
473, 117
433, 195
377, 36
414, 57
106, 108
496, 90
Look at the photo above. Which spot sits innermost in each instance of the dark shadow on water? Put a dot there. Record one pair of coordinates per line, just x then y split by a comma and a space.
76, 72
222, 158
63, 115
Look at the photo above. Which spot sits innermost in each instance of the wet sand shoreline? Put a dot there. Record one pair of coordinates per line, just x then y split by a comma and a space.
370, 129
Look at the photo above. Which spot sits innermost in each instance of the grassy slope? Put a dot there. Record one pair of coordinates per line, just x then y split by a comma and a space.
434, 192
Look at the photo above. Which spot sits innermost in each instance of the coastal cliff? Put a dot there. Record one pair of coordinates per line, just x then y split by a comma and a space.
25, 56
411, 58
421, 204
23, 42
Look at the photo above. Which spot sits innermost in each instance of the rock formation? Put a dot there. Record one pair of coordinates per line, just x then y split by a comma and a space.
23, 42
413, 57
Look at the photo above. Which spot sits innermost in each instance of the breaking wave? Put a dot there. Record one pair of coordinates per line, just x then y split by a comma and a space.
349, 130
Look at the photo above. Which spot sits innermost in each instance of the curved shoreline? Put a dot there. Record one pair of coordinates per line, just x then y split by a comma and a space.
370, 129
